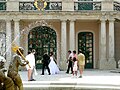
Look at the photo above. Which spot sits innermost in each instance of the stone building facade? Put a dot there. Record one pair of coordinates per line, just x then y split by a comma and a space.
88, 25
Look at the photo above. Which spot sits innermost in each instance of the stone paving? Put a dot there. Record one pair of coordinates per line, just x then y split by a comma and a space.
91, 80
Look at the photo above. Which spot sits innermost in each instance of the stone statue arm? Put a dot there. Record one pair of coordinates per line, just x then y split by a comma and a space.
22, 62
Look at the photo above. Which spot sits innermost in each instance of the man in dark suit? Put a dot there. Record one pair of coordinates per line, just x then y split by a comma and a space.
70, 62
45, 61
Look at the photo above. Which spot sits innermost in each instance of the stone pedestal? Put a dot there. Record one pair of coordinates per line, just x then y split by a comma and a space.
12, 5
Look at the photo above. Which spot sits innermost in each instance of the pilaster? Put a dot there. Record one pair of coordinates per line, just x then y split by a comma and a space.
12, 5
68, 5
107, 5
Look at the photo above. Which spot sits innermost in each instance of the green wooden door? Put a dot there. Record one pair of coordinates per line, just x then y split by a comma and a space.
42, 39
85, 44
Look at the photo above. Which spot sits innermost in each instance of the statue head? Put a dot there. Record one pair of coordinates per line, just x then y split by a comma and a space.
20, 51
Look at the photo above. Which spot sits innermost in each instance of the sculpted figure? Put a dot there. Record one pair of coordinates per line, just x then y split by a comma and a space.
6, 83
13, 68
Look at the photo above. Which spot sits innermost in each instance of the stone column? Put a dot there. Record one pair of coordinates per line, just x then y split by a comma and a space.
72, 35
8, 42
111, 61
63, 45
16, 32
102, 49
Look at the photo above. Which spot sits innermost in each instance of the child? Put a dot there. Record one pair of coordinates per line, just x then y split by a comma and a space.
75, 66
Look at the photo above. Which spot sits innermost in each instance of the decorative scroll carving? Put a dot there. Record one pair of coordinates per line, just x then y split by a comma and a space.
116, 6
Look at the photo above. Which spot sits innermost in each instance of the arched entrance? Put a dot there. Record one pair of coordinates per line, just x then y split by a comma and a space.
42, 39
85, 44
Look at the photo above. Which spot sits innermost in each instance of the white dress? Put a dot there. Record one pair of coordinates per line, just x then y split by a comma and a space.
75, 66
53, 67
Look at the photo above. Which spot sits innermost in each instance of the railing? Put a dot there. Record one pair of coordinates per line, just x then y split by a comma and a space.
116, 6
87, 5
2, 5
57, 5
29, 6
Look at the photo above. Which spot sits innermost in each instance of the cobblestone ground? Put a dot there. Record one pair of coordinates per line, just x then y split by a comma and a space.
88, 74
97, 79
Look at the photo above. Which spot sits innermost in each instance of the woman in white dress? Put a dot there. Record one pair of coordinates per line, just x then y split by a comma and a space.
52, 65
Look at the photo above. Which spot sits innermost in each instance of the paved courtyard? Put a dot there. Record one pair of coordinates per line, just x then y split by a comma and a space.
92, 80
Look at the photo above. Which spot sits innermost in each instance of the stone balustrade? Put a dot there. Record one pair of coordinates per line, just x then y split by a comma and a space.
102, 5
29, 6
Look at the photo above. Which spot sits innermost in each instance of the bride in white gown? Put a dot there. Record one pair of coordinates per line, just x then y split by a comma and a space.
52, 65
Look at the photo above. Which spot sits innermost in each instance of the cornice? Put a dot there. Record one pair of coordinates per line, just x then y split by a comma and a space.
58, 12
60, 15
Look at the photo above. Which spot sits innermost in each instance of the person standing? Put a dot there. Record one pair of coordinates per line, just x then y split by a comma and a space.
75, 66
69, 61
31, 58
45, 62
13, 68
52, 65
81, 62
74, 54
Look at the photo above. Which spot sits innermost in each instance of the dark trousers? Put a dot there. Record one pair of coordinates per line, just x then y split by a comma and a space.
45, 65
70, 66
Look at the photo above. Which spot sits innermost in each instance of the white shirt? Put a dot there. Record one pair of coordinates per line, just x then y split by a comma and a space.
31, 58
70, 55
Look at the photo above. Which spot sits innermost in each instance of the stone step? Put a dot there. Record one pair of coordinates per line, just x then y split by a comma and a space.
46, 85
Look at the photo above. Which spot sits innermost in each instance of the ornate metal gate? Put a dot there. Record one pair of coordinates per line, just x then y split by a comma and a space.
42, 39
85, 44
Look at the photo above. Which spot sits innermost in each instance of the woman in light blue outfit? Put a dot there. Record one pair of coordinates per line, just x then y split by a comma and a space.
52, 65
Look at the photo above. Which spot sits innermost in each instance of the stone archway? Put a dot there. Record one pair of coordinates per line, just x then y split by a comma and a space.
42, 38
